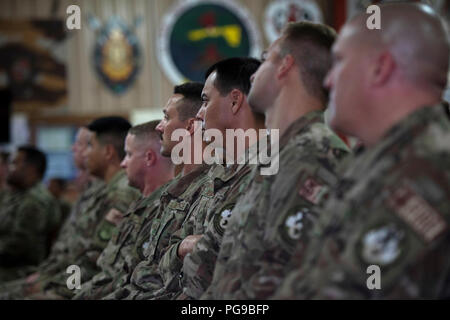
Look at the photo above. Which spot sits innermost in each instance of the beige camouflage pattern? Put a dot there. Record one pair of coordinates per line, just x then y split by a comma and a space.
93, 230
176, 201
268, 221
125, 249
198, 266
392, 210
27, 220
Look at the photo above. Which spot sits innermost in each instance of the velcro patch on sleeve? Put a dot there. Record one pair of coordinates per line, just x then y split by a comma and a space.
313, 191
417, 213
114, 216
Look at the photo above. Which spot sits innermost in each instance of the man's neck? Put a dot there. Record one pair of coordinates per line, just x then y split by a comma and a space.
287, 109
392, 114
153, 184
110, 172
251, 124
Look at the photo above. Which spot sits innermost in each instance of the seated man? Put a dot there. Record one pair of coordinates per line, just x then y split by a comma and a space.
385, 232
28, 215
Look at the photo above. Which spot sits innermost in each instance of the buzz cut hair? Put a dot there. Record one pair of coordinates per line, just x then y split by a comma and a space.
192, 99
310, 44
146, 131
233, 73
111, 130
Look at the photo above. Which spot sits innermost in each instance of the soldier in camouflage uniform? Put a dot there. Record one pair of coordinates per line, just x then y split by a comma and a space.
175, 201
384, 233
28, 215
103, 211
226, 87
148, 171
267, 221
59, 250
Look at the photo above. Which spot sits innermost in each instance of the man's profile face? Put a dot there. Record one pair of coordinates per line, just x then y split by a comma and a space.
216, 109
134, 162
347, 81
263, 90
95, 155
79, 146
18, 170
169, 123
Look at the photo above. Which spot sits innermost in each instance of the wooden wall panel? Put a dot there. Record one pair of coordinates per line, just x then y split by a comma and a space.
87, 95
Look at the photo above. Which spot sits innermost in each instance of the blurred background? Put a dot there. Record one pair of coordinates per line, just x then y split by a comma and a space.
125, 58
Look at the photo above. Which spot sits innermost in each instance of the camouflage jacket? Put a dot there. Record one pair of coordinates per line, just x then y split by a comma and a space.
268, 221
56, 261
125, 249
27, 220
175, 203
93, 230
198, 266
385, 233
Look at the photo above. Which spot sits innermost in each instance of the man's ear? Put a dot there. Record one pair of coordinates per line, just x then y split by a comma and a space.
150, 158
237, 98
110, 152
383, 69
287, 62
190, 126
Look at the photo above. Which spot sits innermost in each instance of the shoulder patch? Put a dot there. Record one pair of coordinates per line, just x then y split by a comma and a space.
294, 225
382, 245
313, 191
114, 216
221, 220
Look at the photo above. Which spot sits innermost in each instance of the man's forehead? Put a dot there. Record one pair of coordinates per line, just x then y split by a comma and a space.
209, 83
173, 100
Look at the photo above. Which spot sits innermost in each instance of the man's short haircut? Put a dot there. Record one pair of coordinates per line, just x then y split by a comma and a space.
310, 44
192, 93
111, 130
146, 131
35, 158
233, 73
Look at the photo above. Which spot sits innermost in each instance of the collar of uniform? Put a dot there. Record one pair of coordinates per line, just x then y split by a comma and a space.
299, 125
415, 120
178, 188
116, 178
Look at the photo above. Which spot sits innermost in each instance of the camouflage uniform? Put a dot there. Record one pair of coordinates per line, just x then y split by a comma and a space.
391, 210
125, 249
58, 254
26, 222
267, 221
93, 230
198, 266
60, 249
176, 201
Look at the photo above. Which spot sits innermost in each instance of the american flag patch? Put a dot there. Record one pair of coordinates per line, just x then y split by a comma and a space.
417, 213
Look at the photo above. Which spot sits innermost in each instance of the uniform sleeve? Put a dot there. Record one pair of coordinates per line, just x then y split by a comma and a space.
26, 241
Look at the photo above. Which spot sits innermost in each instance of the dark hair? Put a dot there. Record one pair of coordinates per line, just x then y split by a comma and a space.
4, 156
234, 73
146, 131
310, 45
34, 157
192, 93
111, 130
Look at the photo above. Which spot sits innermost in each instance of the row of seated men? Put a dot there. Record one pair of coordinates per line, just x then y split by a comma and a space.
145, 228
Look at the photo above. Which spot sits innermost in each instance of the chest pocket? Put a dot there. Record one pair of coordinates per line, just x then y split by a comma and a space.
172, 219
